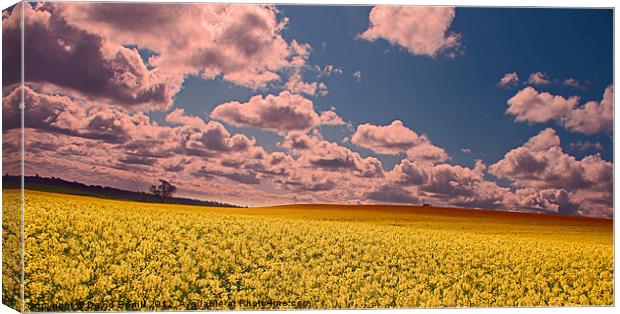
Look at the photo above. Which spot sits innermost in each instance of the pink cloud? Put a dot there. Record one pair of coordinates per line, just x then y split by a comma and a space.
214, 139
329, 156
61, 114
298, 141
59, 54
241, 42
422, 30
296, 85
529, 105
301, 52
539, 78
573, 83
545, 200
64, 115
94, 162
276, 113
322, 89
593, 117
311, 183
11, 151
315, 152
178, 117
445, 184
427, 153
330, 117
327, 70
542, 164
83, 159
587, 145
389, 140
97, 162
253, 166
11, 48
509, 79
393, 194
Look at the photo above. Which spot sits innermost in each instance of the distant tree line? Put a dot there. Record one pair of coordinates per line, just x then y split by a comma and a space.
161, 193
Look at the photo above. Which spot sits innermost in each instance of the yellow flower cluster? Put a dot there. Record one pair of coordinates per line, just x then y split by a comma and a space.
11, 249
94, 254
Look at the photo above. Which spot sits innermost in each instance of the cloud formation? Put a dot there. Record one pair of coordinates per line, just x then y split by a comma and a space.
593, 117
573, 83
539, 78
115, 53
130, 149
329, 156
134, 131
296, 85
427, 153
330, 117
72, 58
111, 144
178, 117
276, 113
509, 79
392, 194
241, 42
327, 70
587, 146
529, 105
449, 184
542, 164
391, 139
396, 138
422, 30
543, 200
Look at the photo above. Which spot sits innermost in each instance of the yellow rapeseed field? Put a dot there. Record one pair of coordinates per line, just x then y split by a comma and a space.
94, 254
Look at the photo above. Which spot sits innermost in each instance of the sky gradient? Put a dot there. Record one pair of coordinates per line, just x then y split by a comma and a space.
258, 105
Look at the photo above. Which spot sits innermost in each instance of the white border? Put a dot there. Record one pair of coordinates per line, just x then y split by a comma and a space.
497, 3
